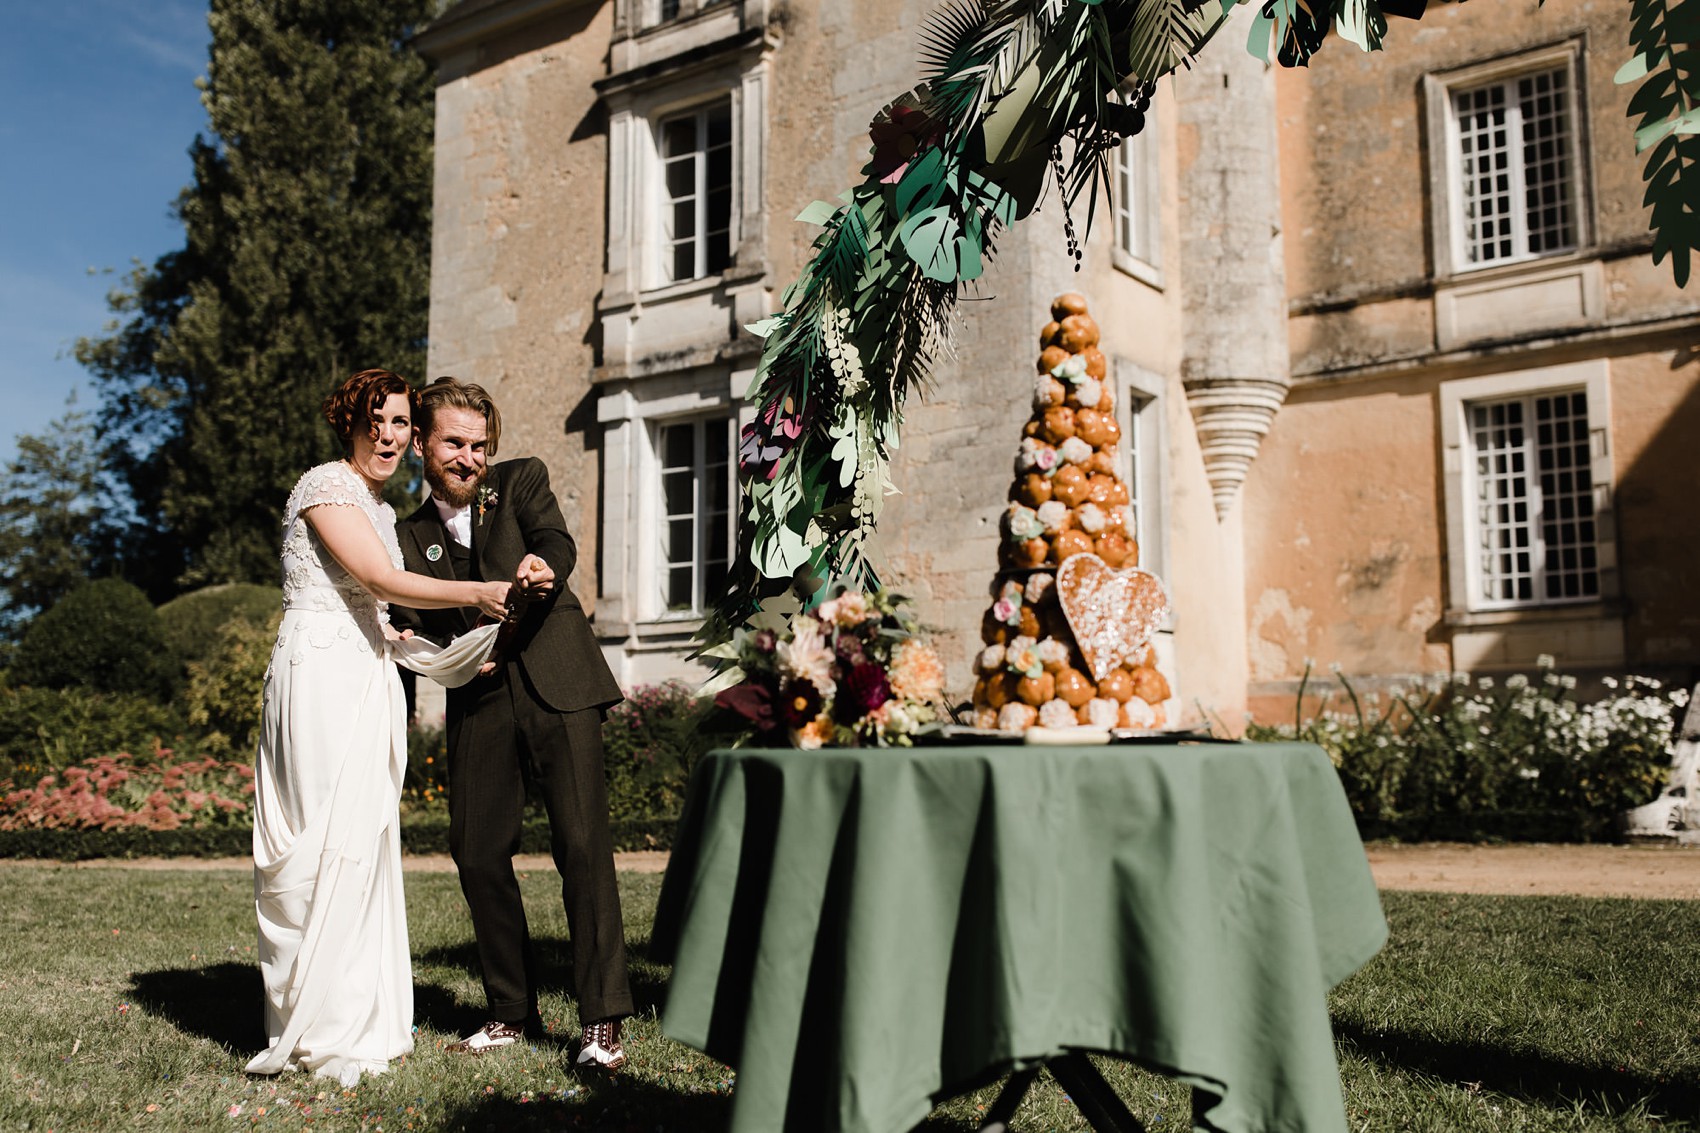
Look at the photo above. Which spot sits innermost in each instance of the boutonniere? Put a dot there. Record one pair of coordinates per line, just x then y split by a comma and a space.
487, 499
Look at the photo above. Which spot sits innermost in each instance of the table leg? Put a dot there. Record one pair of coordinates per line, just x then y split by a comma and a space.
1093, 1097
1009, 1100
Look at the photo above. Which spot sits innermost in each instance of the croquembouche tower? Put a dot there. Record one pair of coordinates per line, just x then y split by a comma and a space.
1068, 635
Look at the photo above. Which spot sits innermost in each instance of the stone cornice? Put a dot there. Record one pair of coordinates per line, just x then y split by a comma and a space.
465, 25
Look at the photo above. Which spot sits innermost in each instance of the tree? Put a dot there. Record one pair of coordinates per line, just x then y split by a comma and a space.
55, 519
306, 257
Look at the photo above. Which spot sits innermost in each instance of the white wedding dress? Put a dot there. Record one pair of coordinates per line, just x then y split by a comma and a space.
327, 785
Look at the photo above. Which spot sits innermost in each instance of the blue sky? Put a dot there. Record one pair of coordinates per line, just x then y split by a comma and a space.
98, 107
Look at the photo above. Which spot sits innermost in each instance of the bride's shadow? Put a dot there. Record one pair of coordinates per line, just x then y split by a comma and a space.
224, 1003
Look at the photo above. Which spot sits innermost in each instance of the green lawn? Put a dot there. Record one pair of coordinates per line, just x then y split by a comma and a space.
128, 1000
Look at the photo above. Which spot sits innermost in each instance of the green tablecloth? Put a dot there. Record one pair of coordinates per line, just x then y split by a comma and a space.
860, 932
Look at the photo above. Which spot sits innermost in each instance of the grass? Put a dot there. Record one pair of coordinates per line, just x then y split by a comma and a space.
128, 999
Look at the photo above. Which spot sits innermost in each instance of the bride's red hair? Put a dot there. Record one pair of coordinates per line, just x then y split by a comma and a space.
357, 403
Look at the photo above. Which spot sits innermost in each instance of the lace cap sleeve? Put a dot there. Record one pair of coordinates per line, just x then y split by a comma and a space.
332, 483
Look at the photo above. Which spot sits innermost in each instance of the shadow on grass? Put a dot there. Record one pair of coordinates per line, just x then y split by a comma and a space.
619, 1105
221, 1002
436, 1007
1530, 1077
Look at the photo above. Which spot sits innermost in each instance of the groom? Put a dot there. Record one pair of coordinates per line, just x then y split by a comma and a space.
537, 717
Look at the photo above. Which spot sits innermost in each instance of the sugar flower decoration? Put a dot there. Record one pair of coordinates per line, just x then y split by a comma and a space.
1071, 369
1023, 523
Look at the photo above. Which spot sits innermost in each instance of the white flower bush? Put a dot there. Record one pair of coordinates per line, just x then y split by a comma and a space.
1454, 757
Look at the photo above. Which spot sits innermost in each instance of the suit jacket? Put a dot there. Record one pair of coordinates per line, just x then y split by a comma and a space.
553, 644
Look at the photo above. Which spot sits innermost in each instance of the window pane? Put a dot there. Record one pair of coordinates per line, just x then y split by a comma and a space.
678, 493
681, 177
719, 254
681, 540
720, 124
679, 588
678, 446
1533, 485
684, 219
720, 169
714, 581
679, 136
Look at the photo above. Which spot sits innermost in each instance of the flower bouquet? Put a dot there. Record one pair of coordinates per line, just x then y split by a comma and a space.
848, 673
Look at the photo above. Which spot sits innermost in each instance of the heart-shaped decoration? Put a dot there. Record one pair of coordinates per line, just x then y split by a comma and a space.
1113, 613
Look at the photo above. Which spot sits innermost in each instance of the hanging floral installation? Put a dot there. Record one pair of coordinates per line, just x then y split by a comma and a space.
1018, 96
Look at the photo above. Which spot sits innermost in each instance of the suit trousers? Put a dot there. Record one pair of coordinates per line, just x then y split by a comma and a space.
500, 734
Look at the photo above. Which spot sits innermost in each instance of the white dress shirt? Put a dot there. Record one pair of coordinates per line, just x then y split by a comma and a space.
457, 520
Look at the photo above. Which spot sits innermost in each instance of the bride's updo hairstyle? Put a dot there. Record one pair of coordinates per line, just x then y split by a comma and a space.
452, 393
357, 403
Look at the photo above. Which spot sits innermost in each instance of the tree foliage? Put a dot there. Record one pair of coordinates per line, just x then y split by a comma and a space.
1665, 38
55, 525
306, 257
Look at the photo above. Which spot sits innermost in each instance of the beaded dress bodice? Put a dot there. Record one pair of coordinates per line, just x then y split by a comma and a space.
312, 578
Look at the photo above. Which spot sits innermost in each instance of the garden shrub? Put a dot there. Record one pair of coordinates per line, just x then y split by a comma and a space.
1520, 760
103, 635
195, 623
222, 701
44, 729
651, 741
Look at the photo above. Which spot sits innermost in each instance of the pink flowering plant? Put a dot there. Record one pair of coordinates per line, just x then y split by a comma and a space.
118, 792
848, 673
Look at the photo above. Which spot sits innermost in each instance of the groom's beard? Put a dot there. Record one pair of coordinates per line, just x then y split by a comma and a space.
449, 486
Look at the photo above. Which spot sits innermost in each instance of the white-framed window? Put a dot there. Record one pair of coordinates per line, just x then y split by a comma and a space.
1528, 488
1138, 200
694, 229
1537, 541
1511, 185
695, 520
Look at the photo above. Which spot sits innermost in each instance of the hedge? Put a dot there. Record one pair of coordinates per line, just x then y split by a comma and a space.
420, 834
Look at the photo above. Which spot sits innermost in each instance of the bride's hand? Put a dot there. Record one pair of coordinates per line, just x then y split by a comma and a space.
493, 599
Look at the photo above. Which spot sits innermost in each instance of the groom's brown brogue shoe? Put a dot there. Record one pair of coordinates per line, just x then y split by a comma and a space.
493, 1035
601, 1045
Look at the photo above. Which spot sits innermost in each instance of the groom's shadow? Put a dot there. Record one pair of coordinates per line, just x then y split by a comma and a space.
221, 1002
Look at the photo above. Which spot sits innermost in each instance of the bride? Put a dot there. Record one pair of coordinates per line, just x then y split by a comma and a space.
333, 750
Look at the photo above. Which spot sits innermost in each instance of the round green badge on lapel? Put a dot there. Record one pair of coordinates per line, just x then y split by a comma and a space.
434, 551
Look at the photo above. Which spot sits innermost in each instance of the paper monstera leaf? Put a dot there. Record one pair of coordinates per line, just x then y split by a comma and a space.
1113, 613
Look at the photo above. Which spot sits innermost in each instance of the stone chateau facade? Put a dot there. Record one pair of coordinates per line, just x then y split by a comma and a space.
1400, 388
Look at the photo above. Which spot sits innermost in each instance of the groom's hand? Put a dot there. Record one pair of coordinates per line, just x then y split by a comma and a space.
534, 576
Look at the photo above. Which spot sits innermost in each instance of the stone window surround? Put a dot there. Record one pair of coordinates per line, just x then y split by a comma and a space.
1137, 387
635, 110
1443, 172
629, 604
1455, 395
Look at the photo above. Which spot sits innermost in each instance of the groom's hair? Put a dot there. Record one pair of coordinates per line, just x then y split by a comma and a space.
452, 393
